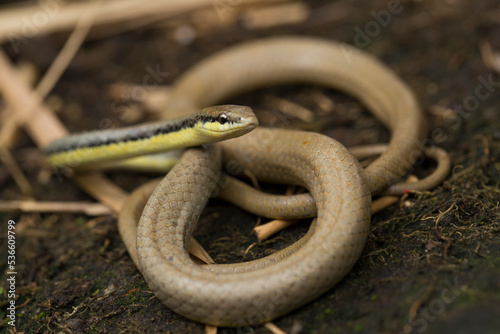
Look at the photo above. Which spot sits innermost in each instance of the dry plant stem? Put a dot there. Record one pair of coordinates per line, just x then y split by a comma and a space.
90, 209
265, 231
14, 170
273, 328
111, 12
383, 202
54, 72
44, 87
284, 14
8, 128
490, 59
210, 329
8, 120
68, 51
44, 127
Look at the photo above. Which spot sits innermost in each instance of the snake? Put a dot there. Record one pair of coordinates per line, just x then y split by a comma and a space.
99, 147
258, 291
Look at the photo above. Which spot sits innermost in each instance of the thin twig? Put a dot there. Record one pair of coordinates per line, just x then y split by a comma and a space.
490, 59
264, 231
10, 164
69, 50
90, 209
210, 329
273, 328
117, 12
53, 74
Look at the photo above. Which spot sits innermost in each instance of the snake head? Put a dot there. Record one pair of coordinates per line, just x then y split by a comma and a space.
225, 122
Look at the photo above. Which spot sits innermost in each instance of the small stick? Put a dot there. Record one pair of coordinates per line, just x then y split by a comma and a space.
14, 170
264, 231
273, 328
117, 12
209, 329
67, 53
90, 209
272, 16
490, 59
383, 202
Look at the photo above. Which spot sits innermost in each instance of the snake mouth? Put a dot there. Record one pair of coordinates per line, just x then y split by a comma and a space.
253, 123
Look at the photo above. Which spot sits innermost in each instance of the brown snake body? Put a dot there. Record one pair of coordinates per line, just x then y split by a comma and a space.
258, 291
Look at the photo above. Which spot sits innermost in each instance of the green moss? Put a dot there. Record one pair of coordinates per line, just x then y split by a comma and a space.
80, 220
329, 311
358, 327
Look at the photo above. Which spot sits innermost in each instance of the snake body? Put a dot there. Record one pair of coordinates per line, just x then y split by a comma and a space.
258, 291
226, 294
255, 292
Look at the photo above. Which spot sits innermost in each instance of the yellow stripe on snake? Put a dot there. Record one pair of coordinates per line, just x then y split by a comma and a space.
258, 291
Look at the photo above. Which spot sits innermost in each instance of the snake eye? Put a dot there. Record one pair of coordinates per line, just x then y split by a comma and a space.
223, 119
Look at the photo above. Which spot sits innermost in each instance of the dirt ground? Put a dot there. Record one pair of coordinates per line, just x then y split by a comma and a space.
417, 274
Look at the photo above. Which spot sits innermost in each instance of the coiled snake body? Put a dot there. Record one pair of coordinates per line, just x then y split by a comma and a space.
261, 290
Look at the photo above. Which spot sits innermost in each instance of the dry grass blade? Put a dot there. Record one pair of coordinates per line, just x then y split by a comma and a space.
197, 250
